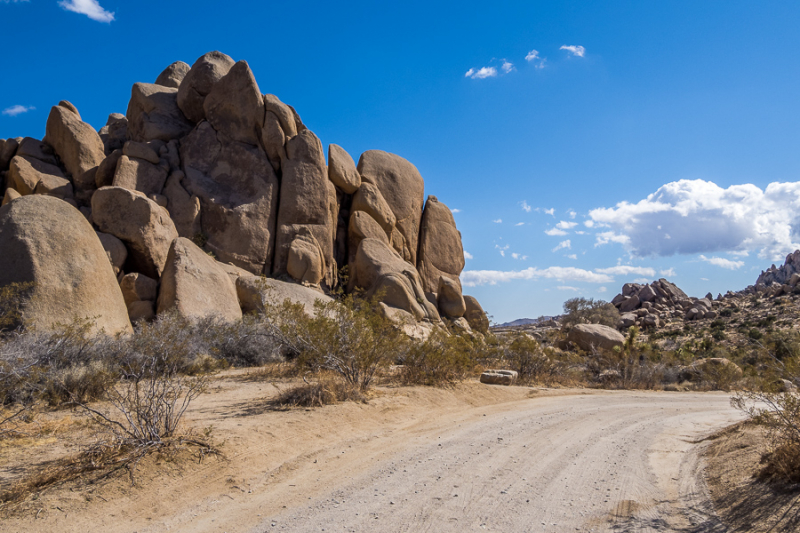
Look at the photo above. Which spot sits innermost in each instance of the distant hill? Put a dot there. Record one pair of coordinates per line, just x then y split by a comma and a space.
526, 321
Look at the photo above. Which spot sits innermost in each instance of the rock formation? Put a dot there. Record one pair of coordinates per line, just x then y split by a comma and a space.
204, 185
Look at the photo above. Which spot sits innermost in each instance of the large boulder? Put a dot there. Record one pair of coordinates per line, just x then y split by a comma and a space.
306, 261
450, 300
403, 188
255, 292
281, 123
308, 202
475, 315
8, 149
342, 169
238, 193
362, 226
194, 285
115, 251
115, 132
153, 113
589, 337
380, 271
140, 175
104, 176
173, 75
440, 251
142, 224
199, 81
235, 106
48, 243
37, 149
369, 199
77, 144
27, 173
184, 208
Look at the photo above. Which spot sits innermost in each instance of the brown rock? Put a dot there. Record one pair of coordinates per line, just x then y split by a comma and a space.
10, 195
140, 175
141, 311
8, 149
306, 262
153, 113
115, 250
308, 199
104, 176
137, 287
402, 187
183, 207
114, 133
48, 243
238, 192
196, 286
77, 144
499, 377
362, 226
235, 107
255, 292
475, 315
69, 106
199, 81
369, 199
451, 302
141, 151
173, 75
342, 169
139, 222
440, 251
589, 337
26, 172
37, 149
54, 186
279, 126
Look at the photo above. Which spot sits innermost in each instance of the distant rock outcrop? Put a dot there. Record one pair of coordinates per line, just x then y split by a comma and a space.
206, 183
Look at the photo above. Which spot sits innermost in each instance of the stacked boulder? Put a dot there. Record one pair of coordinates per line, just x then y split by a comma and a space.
206, 184
777, 281
653, 305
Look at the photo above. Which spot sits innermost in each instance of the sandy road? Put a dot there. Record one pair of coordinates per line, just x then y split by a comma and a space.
621, 461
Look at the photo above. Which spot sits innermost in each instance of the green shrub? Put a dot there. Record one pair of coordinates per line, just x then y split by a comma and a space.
442, 359
589, 311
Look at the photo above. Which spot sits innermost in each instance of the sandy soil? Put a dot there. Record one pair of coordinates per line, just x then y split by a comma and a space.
475, 457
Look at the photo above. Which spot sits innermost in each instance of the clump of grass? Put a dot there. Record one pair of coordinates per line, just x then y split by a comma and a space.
324, 391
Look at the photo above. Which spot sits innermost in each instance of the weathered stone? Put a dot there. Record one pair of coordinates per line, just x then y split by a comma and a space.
77, 144
48, 243
630, 304
141, 311
402, 187
141, 151
183, 207
306, 262
362, 226
153, 113
10, 195
647, 294
173, 75
115, 133
590, 337
37, 149
69, 106
342, 169
255, 292
499, 377
369, 199
8, 149
136, 286
451, 302
195, 285
104, 176
26, 172
279, 126
199, 81
238, 192
139, 222
440, 251
475, 315
308, 199
139, 175
115, 250
54, 186
235, 107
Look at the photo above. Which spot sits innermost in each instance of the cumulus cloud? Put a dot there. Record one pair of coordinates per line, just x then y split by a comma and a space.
507, 67
577, 51
722, 262
481, 73
563, 245
589, 223
564, 224
90, 8
467, 255
15, 110
525, 206
555, 232
667, 273
697, 216
627, 270
472, 278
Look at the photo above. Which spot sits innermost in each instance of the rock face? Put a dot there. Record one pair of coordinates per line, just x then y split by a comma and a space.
47, 242
199, 81
342, 169
440, 251
153, 113
76, 143
403, 188
235, 107
308, 203
254, 292
590, 337
173, 75
449, 299
475, 315
780, 275
195, 286
28, 174
140, 223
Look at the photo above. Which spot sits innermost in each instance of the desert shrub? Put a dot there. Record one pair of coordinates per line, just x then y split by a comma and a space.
628, 367
727, 312
442, 359
323, 391
525, 355
589, 311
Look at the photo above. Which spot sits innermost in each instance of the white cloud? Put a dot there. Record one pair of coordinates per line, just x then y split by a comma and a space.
697, 216
566, 225
467, 255
455, 210
507, 67
572, 214
626, 270
668, 273
602, 289
555, 232
722, 262
532, 55
518, 256
502, 249
642, 280
589, 223
563, 245
481, 73
519, 224
15, 110
572, 256
472, 278
577, 51
609, 236
90, 8
567, 288
498, 221
551, 211
13, 1
579, 232
525, 206
535, 59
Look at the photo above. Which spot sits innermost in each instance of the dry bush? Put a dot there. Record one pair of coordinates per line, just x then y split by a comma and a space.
589, 311
443, 359
323, 391
533, 363
628, 367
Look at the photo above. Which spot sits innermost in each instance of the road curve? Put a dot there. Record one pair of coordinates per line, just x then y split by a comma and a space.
605, 461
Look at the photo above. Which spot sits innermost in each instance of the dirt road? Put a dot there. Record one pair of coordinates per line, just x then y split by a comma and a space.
472, 458
601, 462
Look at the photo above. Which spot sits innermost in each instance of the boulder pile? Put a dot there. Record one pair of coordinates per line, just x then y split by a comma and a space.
653, 305
204, 185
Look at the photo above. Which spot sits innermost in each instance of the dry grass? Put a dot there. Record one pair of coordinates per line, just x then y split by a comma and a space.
326, 390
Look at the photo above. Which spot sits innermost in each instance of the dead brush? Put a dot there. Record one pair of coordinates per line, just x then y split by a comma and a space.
325, 390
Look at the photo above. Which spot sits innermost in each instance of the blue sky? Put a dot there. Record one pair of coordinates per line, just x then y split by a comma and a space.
640, 140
